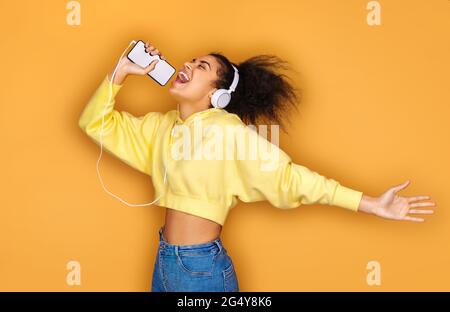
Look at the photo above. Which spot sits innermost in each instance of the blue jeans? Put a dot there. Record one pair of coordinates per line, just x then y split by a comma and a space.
199, 267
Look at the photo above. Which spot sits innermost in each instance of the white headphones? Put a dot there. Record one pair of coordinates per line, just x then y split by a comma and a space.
222, 97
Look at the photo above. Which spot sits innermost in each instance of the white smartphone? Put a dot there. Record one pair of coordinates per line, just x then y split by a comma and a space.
162, 72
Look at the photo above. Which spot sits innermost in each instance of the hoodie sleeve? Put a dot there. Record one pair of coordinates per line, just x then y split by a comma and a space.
125, 136
271, 175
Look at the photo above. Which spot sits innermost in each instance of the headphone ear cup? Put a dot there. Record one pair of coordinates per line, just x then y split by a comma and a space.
220, 98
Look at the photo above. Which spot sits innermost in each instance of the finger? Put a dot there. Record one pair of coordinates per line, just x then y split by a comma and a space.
400, 187
151, 66
163, 57
422, 204
149, 48
408, 218
416, 198
421, 211
151, 51
154, 52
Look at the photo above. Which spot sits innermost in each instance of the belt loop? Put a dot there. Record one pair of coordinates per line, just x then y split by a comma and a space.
176, 251
217, 241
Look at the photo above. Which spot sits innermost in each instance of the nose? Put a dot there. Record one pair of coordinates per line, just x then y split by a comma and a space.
187, 65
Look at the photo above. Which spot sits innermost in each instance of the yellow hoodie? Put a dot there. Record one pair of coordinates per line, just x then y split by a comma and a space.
202, 185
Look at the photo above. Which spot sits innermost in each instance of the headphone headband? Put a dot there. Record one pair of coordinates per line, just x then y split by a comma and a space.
235, 79
222, 97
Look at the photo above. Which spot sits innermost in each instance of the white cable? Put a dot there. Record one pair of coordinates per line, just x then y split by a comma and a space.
101, 138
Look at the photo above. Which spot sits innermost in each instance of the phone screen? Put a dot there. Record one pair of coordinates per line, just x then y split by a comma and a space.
162, 72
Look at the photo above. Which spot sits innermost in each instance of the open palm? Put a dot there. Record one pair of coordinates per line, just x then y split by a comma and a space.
392, 206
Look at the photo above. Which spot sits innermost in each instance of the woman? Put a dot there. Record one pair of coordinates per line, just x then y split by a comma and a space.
200, 192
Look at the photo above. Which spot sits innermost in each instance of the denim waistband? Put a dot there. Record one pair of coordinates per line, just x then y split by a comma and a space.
166, 245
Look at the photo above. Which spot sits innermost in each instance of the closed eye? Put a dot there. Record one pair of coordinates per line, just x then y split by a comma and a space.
201, 66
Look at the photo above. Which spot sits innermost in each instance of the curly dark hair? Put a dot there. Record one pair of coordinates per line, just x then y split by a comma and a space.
263, 95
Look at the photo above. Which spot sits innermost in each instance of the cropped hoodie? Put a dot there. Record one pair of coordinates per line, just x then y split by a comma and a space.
207, 184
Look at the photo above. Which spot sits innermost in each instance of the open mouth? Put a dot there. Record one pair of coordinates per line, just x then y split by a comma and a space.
182, 77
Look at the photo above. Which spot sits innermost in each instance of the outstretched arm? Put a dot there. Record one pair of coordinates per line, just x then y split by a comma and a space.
392, 206
270, 174
289, 185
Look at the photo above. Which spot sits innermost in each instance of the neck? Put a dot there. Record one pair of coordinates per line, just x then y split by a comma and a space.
188, 109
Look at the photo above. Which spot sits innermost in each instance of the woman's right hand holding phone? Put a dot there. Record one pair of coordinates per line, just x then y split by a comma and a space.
126, 67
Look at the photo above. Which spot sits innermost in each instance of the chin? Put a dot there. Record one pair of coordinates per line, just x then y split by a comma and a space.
173, 90
175, 93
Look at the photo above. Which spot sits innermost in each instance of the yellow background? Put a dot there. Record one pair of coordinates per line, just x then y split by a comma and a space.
376, 113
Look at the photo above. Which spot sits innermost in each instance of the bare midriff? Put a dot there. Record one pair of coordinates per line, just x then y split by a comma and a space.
181, 228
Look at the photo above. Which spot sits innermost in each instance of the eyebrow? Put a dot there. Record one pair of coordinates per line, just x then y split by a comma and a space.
202, 61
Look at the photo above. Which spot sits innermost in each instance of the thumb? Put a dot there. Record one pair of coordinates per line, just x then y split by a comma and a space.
401, 186
151, 66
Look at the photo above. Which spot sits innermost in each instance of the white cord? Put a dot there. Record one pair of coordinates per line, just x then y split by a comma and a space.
101, 138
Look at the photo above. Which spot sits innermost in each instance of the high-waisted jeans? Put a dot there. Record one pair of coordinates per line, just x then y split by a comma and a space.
198, 267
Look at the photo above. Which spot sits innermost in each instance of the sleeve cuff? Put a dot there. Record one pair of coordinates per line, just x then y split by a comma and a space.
347, 198
115, 87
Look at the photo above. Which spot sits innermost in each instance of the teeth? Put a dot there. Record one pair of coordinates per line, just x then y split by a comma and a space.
186, 78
